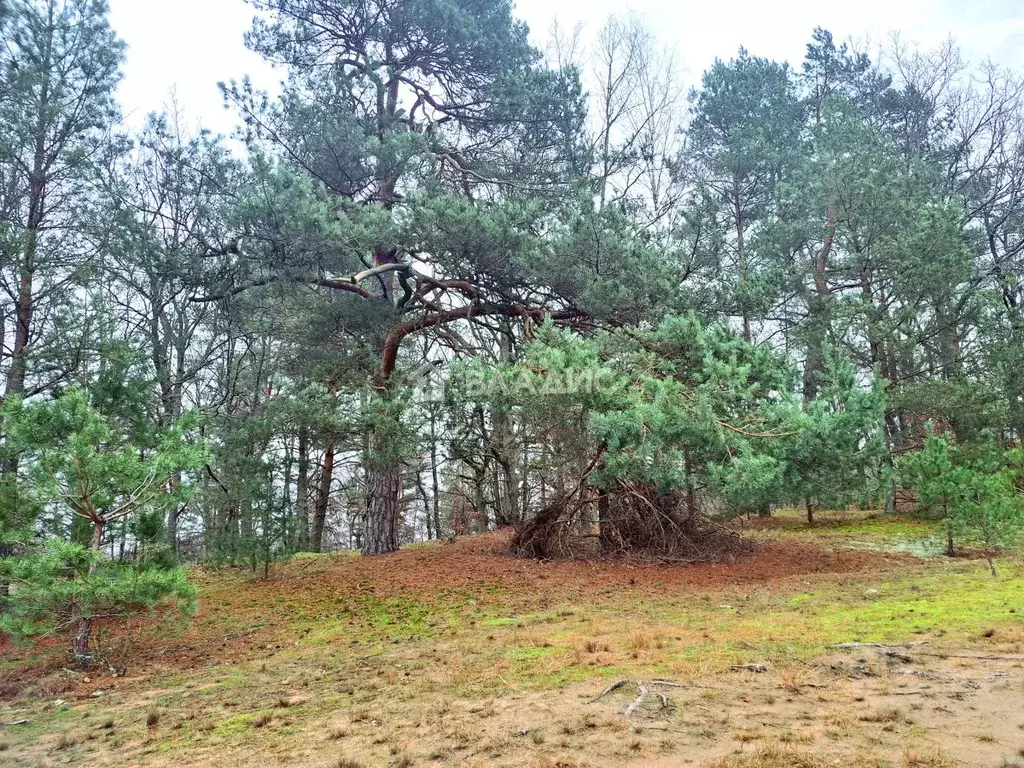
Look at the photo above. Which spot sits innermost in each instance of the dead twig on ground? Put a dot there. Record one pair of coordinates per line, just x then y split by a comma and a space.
632, 707
847, 646
613, 687
975, 656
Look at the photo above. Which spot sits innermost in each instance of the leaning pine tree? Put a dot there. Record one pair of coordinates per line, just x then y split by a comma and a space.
427, 177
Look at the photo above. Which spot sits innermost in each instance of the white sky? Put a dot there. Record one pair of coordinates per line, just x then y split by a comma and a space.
184, 47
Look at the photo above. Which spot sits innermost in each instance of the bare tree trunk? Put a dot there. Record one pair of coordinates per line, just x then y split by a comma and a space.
950, 551
24, 305
436, 485
504, 472
604, 522
741, 257
818, 312
427, 519
320, 513
302, 489
384, 490
83, 631
691, 495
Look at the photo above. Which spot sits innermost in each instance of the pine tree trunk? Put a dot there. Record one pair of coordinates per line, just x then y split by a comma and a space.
302, 490
83, 652
384, 491
691, 492
83, 630
434, 480
604, 522
320, 513
741, 256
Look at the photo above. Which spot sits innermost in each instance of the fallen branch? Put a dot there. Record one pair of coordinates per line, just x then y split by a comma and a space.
881, 645
631, 708
977, 656
897, 656
244, 633
672, 684
759, 668
613, 687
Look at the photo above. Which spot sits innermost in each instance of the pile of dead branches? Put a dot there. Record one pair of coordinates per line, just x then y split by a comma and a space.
630, 522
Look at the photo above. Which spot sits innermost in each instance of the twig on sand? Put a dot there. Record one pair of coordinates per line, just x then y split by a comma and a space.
632, 707
976, 656
245, 632
673, 684
613, 687
847, 646
759, 668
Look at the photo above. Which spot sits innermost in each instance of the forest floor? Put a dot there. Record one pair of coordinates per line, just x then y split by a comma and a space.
458, 655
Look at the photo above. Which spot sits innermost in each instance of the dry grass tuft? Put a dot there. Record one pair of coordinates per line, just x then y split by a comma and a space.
891, 715
773, 756
645, 639
837, 716
793, 679
65, 741
933, 759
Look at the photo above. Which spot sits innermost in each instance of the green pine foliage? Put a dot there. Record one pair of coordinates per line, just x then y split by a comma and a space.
975, 487
83, 472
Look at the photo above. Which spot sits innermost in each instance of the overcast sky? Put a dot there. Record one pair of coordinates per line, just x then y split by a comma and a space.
185, 47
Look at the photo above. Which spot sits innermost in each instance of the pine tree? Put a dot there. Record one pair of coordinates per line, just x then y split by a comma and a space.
81, 465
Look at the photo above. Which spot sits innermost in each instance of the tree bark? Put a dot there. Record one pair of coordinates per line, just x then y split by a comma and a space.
691, 492
320, 513
818, 319
83, 630
434, 480
741, 257
604, 523
25, 305
302, 490
384, 490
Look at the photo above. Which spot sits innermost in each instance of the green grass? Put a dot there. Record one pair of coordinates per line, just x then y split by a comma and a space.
344, 652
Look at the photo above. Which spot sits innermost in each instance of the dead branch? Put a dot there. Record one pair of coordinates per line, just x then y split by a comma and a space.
881, 645
613, 687
632, 707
